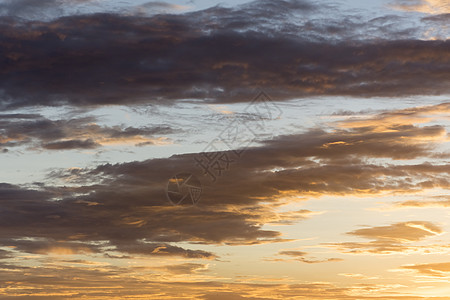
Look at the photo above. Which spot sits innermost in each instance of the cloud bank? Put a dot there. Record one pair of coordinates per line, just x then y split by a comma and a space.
219, 54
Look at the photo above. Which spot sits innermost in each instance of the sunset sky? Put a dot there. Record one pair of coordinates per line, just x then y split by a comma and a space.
315, 136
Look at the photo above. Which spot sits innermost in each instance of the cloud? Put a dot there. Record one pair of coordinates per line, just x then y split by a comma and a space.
149, 283
157, 7
228, 296
410, 115
303, 257
46, 246
394, 238
4, 254
120, 212
186, 268
358, 276
423, 6
37, 132
219, 54
37, 9
434, 201
90, 201
441, 18
143, 225
78, 281
400, 232
432, 269
162, 249
72, 144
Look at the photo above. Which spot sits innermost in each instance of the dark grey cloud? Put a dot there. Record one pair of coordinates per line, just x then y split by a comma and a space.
71, 144
19, 116
38, 212
218, 54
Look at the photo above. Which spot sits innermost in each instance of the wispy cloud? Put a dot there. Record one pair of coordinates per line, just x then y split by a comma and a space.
394, 238
431, 269
423, 6
296, 255
38, 132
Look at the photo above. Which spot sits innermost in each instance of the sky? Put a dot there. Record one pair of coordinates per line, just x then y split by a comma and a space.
229, 150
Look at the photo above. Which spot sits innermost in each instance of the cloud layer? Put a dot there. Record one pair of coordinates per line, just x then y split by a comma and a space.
80, 206
108, 231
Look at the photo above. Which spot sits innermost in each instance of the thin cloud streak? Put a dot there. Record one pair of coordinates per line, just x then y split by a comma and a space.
38, 133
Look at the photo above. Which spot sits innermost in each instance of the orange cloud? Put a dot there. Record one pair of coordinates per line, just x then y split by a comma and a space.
304, 257
394, 238
423, 6
432, 269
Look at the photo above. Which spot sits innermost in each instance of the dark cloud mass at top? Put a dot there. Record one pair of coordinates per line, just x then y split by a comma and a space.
289, 48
